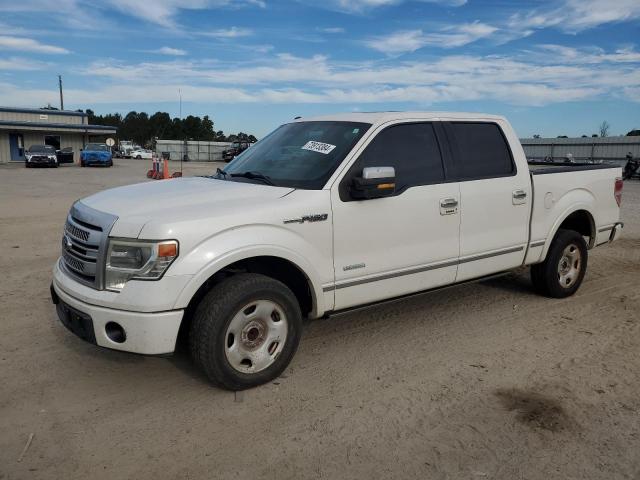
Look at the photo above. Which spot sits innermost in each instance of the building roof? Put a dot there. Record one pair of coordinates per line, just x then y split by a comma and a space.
581, 140
44, 111
65, 127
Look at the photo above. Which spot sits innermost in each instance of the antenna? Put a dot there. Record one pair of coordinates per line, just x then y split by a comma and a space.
60, 86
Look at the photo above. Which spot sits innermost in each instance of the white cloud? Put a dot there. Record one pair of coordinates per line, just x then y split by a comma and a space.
21, 64
448, 37
170, 51
521, 79
592, 55
359, 6
82, 13
332, 30
28, 45
578, 15
233, 32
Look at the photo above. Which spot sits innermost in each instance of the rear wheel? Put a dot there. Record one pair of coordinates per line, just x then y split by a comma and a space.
245, 331
562, 272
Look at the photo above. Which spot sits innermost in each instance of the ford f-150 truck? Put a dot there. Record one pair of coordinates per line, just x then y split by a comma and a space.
323, 215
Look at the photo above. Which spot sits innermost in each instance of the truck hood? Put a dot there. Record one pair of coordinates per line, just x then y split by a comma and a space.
135, 205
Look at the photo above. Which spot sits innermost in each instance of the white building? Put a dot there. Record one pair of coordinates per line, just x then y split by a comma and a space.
22, 127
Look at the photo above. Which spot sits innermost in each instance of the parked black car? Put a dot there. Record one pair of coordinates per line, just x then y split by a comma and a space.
234, 150
65, 155
41, 156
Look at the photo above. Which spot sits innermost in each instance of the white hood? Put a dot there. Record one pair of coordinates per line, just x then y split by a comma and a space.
135, 205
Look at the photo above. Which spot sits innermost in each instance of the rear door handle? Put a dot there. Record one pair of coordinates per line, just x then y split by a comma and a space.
519, 197
448, 206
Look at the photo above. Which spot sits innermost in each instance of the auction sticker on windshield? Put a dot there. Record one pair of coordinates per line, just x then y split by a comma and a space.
318, 147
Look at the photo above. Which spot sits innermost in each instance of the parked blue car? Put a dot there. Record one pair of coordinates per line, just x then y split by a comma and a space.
96, 154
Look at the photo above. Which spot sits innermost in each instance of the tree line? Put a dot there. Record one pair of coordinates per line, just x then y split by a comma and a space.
604, 128
144, 129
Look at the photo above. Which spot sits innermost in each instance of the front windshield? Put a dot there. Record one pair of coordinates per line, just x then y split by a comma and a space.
299, 155
41, 149
96, 147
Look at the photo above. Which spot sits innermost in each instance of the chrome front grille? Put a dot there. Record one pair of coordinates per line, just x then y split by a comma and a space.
73, 263
84, 243
76, 232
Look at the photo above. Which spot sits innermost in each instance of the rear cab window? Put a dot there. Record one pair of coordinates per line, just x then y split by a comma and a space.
479, 150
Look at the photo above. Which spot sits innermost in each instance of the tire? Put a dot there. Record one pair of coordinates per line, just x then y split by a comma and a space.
562, 272
82, 164
138, 157
223, 336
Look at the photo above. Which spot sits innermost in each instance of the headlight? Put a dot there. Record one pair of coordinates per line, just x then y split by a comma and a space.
52, 157
28, 157
133, 260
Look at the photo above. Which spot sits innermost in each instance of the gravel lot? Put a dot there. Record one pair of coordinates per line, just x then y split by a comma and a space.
475, 382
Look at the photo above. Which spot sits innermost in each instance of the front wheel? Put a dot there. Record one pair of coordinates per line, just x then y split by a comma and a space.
245, 331
562, 272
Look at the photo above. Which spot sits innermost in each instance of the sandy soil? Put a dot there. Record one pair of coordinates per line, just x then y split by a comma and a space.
475, 382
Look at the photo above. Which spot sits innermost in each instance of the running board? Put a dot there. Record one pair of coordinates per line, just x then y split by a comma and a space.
344, 311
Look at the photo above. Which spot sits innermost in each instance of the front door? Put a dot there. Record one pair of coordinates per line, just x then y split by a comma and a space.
387, 247
16, 147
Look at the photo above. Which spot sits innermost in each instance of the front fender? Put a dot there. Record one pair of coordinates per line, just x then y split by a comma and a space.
240, 243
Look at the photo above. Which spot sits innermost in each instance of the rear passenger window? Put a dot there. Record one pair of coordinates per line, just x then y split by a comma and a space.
412, 149
479, 151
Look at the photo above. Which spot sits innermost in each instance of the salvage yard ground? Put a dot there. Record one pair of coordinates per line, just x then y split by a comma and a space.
482, 381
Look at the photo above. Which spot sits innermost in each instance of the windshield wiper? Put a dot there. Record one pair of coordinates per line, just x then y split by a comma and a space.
254, 176
221, 173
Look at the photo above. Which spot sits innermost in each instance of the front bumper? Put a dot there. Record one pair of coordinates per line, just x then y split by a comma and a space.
145, 333
95, 161
41, 162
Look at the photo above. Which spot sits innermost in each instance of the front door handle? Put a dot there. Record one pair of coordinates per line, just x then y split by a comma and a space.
448, 206
519, 197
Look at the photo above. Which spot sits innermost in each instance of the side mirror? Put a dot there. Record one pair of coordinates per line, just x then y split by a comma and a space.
81, 149
375, 182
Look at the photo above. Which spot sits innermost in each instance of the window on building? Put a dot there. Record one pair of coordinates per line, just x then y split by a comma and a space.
52, 140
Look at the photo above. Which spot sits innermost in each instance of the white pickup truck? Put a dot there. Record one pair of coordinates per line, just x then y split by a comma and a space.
323, 215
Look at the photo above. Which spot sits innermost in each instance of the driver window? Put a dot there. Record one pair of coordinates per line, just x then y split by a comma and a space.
411, 149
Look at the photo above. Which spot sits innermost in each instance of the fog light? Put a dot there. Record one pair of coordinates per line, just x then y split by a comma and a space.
115, 332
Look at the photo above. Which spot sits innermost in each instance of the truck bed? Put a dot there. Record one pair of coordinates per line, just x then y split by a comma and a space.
543, 168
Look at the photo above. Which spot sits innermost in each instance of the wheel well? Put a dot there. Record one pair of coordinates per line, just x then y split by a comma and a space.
274, 267
582, 222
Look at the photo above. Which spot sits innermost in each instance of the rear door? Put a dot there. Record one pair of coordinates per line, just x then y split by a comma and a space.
494, 199
387, 247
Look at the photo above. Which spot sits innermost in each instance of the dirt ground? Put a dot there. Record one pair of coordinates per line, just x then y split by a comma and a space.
481, 381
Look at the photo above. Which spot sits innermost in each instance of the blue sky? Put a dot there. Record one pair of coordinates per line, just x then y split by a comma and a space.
553, 67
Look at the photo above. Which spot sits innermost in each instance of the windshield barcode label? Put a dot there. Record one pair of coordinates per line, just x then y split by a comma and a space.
318, 147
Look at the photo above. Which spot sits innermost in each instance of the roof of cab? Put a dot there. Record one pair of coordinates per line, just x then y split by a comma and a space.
382, 117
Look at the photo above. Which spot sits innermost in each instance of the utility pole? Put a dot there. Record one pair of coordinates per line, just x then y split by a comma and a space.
60, 86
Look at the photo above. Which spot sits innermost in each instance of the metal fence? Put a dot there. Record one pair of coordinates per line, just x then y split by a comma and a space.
192, 150
612, 149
